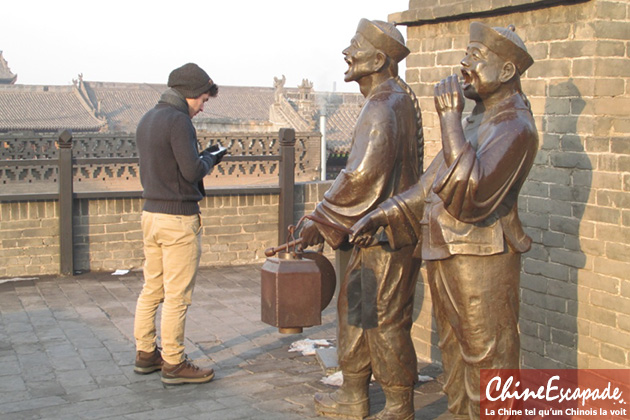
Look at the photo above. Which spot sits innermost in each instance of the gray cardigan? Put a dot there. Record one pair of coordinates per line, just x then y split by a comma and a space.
171, 168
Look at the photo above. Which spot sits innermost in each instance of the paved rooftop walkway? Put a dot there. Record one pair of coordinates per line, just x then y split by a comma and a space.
67, 352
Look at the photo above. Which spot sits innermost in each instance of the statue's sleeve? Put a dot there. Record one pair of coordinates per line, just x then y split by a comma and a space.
405, 211
365, 181
479, 181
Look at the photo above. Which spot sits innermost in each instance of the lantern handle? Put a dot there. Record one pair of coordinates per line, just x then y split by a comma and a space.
292, 242
270, 252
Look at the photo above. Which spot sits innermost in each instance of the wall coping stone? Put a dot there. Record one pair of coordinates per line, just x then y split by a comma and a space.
467, 9
271, 189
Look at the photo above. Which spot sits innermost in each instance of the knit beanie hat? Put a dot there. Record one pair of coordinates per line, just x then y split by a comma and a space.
190, 80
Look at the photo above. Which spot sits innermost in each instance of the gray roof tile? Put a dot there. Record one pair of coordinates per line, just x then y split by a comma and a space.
44, 109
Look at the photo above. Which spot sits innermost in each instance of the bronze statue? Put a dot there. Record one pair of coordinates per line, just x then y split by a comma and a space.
463, 215
375, 301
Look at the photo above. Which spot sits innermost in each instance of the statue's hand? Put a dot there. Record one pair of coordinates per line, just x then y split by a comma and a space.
363, 231
448, 96
310, 234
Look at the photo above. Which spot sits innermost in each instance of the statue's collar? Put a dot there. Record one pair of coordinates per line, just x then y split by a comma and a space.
512, 102
387, 85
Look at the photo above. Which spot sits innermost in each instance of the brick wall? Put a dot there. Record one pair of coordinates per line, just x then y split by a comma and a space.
575, 282
29, 244
107, 236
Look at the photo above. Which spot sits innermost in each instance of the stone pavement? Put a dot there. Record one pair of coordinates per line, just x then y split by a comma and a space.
67, 352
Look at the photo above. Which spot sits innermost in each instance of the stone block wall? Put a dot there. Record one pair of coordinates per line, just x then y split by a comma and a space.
29, 241
575, 282
238, 227
107, 234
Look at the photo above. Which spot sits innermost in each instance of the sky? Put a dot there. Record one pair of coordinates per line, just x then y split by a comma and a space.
238, 42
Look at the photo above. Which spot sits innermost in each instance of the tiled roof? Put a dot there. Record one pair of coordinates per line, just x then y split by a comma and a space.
118, 107
339, 127
44, 109
123, 104
240, 103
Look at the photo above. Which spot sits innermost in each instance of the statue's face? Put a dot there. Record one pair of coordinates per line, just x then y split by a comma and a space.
361, 59
480, 69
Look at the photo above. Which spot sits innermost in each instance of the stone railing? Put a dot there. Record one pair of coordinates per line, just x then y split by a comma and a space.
28, 159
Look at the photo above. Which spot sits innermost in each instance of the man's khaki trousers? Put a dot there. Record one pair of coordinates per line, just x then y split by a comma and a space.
172, 248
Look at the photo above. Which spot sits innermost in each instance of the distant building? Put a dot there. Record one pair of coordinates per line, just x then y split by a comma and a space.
107, 107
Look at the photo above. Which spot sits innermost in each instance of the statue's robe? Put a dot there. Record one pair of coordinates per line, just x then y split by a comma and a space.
463, 219
375, 302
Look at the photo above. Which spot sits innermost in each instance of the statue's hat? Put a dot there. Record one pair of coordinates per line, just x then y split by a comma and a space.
504, 42
385, 37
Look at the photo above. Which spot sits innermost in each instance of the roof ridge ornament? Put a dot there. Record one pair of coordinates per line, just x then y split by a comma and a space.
6, 76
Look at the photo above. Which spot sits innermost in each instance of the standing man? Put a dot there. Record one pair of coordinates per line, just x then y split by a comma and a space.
375, 302
463, 215
171, 172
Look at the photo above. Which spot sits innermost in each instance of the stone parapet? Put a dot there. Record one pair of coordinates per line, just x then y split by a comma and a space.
237, 228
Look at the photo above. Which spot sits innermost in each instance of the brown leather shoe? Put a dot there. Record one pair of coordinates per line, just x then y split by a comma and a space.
185, 373
148, 362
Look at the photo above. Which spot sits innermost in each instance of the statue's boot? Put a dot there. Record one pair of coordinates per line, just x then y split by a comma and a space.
349, 401
398, 404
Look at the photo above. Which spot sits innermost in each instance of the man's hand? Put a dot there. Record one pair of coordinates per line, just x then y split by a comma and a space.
449, 97
219, 155
364, 229
310, 234
215, 152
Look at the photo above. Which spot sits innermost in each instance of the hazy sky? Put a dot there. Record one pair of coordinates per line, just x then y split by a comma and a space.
238, 42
